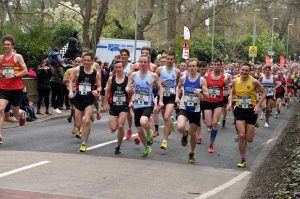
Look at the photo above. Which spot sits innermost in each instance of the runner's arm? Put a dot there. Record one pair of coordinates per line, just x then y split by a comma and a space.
107, 89
204, 88
20, 61
260, 89
159, 86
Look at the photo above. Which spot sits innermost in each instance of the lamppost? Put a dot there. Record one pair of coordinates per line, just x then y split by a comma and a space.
136, 25
272, 53
254, 30
213, 31
287, 41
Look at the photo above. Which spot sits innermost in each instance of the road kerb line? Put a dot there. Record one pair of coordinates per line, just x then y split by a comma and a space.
106, 143
23, 168
224, 186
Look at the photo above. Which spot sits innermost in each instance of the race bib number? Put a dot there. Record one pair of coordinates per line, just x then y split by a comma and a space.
214, 92
169, 91
278, 83
7, 70
270, 92
84, 89
245, 102
190, 100
141, 99
119, 100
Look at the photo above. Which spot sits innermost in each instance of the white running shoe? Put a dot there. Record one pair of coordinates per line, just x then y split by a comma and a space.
57, 111
266, 125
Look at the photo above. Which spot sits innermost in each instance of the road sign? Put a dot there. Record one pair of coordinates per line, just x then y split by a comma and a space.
252, 51
185, 43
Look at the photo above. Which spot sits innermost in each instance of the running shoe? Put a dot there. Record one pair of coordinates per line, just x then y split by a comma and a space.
164, 144
242, 164
211, 149
75, 130
78, 135
236, 137
147, 151
69, 119
219, 122
257, 124
184, 139
98, 115
192, 158
209, 130
266, 125
149, 138
199, 140
83, 148
223, 124
118, 150
128, 134
137, 140
262, 116
92, 118
1, 140
155, 134
22, 119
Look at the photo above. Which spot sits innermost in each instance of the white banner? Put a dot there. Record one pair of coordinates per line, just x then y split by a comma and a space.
186, 33
185, 53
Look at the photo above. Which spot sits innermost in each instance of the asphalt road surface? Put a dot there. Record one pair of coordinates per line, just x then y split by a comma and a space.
44, 158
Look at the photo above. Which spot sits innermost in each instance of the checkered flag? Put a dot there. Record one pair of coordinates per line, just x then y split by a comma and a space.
63, 50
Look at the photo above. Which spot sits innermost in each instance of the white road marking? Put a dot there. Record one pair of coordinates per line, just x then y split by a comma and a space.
224, 186
23, 168
270, 140
106, 143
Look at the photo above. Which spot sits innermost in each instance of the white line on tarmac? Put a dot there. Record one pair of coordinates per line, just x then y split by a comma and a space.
23, 168
106, 143
270, 140
224, 186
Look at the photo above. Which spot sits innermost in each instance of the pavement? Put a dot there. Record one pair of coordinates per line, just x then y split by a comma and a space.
41, 118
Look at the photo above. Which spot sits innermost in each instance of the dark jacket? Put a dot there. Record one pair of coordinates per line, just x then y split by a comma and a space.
43, 78
57, 74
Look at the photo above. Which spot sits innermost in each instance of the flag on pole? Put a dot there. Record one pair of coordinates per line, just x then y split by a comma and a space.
186, 33
63, 50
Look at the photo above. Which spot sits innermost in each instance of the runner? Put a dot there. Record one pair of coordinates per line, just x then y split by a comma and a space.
12, 69
290, 88
141, 84
189, 109
225, 100
118, 100
280, 92
83, 101
244, 89
216, 81
67, 75
169, 76
267, 81
129, 68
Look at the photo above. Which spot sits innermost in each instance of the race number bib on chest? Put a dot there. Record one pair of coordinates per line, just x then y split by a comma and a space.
245, 102
190, 100
270, 92
119, 100
85, 88
169, 91
8, 70
214, 92
141, 98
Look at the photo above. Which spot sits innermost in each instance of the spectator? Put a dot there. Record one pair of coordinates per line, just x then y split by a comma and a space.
56, 80
27, 106
104, 78
43, 86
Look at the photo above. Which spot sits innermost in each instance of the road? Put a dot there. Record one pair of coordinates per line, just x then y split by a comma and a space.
55, 166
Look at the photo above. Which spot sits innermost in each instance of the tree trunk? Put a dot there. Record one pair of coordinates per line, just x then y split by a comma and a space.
86, 24
42, 12
2, 17
171, 25
103, 9
145, 19
8, 11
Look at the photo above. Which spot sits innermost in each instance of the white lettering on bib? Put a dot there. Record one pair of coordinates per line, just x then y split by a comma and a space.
8, 70
141, 98
214, 92
245, 102
85, 88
